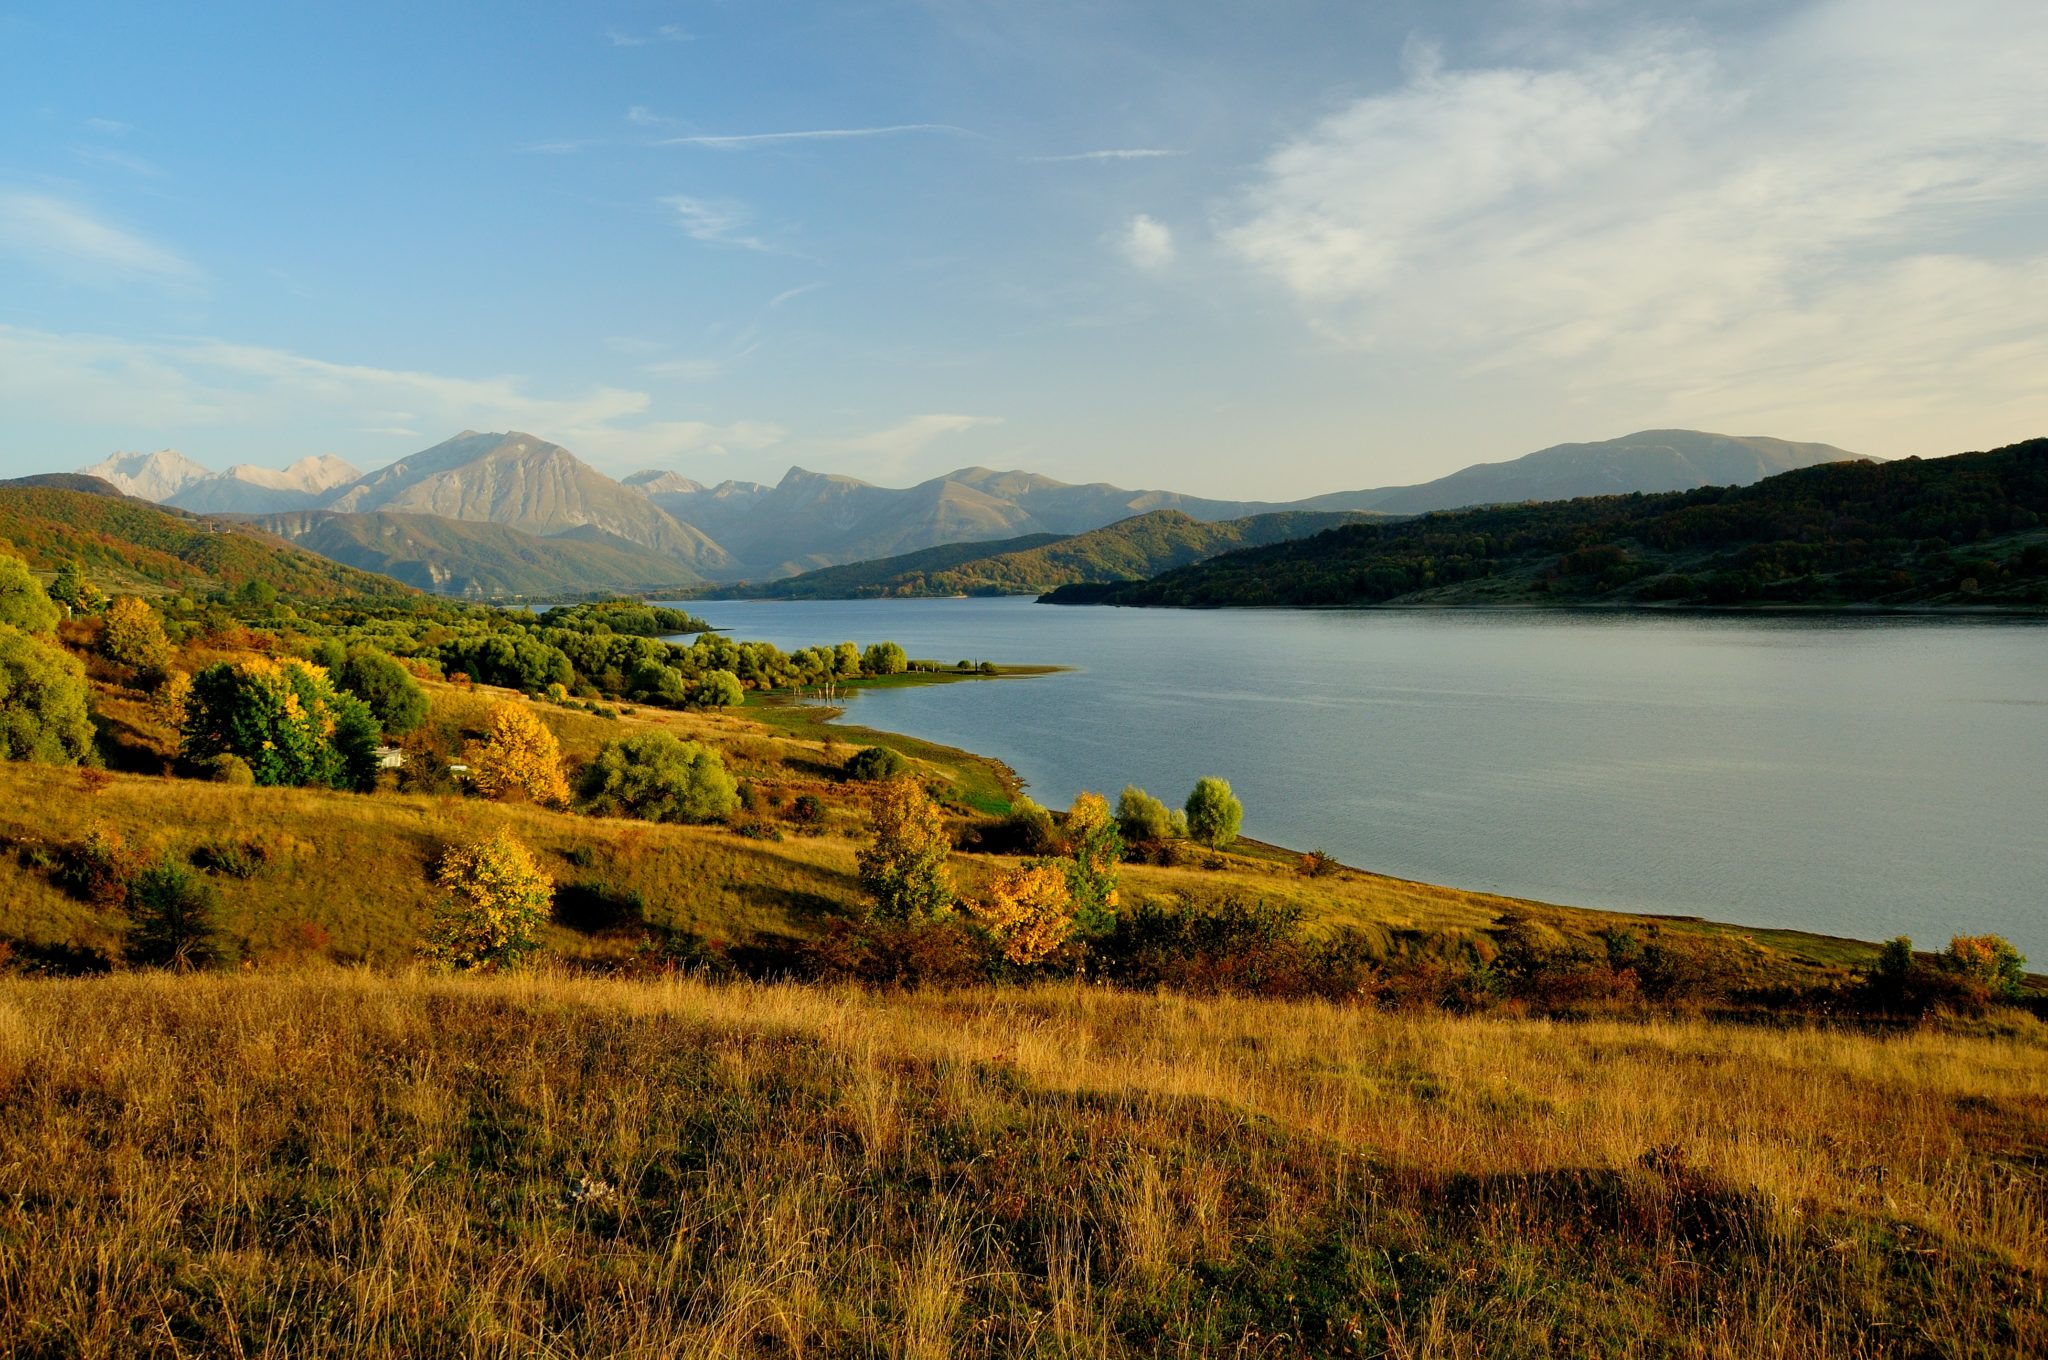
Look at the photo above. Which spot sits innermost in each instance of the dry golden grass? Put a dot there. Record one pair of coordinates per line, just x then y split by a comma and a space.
348, 1163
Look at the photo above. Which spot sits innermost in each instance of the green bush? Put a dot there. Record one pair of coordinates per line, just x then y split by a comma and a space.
24, 604
1142, 818
875, 764
1213, 813
43, 714
656, 777
171, 914
395, 698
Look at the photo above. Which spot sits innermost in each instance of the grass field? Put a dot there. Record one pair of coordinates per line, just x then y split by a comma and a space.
354, 1163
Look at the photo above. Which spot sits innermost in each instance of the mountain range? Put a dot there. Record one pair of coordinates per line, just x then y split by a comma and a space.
580, 530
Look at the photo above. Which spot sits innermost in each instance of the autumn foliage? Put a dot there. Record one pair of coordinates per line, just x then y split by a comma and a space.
518, 757
1028, 911
498, 899
904, 867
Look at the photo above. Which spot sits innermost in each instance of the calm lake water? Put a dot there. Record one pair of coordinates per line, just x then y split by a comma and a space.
1865, 777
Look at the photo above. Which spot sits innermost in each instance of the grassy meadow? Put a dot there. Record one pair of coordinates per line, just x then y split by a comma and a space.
348, 1162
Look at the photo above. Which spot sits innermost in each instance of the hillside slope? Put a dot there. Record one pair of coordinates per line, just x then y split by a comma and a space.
1964, 530
479, 560
128, 543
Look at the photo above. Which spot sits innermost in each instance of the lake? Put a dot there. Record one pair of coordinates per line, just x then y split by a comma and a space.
1857, 776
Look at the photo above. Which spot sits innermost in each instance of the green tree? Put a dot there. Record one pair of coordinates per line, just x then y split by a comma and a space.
846, 660
286, 720
1094, 850
1214, 814
875, 763
1142, 818
718, 689
904, 867
497, 900
42, 703
171, 918
73, 590
656, 777
884, 658
24, 604
395, 698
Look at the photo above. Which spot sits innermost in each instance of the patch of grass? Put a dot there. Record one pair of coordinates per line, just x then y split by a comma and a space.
337, 1163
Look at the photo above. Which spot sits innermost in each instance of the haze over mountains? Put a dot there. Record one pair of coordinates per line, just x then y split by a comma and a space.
565, 526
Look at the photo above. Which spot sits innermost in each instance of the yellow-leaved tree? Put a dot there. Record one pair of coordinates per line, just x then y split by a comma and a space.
518, 756
1096, 848
1028, 910
904, 867
498, 898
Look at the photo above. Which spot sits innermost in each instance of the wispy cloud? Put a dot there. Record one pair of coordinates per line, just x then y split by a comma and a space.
895, 448
792, 294
719, 222
558, 146
1120, 153
665, 33
111, 127
119, 160
69, 238
1147, 242
734, 140
1747, 227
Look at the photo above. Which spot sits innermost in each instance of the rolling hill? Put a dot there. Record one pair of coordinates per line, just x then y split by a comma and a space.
480, 560
1967, 530
125, 543
1142, 545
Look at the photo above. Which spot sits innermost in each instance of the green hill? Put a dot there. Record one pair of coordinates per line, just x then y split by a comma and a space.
1142, 545
479, 559
1967, 530
126, 543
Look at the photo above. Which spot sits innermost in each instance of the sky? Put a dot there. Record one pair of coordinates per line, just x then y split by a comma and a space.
1253, 250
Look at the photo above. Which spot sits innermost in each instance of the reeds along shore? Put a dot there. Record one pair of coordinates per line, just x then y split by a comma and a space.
352, 1163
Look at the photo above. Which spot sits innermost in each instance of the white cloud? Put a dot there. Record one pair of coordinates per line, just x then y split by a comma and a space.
1695, 229
792, 294
68, 238
1121, 153
111, 127
736, 140
1147, 242
619, 37
716, 221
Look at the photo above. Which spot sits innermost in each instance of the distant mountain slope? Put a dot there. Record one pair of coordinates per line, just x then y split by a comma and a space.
479, 560
152, 476
1142, 545
1966, 530
248, 489
1649, 460
529, 484
128, 544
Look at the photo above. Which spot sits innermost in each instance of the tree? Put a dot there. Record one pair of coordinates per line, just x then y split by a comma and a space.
1094, 850
171, 913
23, 602
658, 684
718, 689
846, 660
498, 899
171, 698
884, 658
1214, 814
1142, 818
875, 763
74, 591
43, 715
518, 755
134, 637
654, 776
1028, 911
1989, 960
285, 720
395, 698
904, 867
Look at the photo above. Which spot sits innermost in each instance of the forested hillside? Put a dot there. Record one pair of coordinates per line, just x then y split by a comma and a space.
130, 543
1963, 530
1142, 545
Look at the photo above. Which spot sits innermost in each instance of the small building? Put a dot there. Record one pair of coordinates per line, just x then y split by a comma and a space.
390, 758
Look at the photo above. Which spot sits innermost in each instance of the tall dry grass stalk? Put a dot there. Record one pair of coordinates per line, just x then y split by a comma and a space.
349, 1163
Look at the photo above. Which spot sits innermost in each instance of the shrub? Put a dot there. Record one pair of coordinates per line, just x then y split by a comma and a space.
134, 637
498, 899
236, 859
24, 604
904, 867
718, 689
1142, 818
285, 719
1028, 830
395, 698
591, 908
518, 756
1235, 947
171, 699
96, 869
1094, 850
656, 777
171, 912
1028, 911
908, 954
43, 714
227, 769
1316, 863
1213, 813
1988, 960
807, 810
875, 764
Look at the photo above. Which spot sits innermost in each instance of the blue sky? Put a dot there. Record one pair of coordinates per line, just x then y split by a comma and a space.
1248, 249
